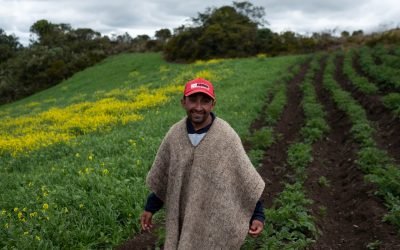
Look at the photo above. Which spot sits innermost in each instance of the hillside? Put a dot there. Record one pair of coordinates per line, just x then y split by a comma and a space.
322, 130
74, 157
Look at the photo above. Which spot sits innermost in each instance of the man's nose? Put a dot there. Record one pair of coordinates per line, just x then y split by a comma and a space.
197, 105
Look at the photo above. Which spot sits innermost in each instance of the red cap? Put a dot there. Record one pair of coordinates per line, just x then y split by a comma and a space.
199, 85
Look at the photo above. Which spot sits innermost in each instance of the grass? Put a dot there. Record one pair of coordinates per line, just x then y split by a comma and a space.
89, 190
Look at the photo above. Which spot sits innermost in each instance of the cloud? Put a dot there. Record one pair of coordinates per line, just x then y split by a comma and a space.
145, 17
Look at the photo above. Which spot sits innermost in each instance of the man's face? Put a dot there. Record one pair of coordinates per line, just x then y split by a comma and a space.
198, 107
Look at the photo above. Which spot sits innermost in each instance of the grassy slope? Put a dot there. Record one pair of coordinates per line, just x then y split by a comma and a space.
95, 210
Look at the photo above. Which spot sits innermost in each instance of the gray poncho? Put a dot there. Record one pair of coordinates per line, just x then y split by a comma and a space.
210, 190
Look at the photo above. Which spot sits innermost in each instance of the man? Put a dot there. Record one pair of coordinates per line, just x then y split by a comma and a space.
205, 179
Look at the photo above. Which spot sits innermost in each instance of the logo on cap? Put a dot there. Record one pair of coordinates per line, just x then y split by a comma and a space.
199, 85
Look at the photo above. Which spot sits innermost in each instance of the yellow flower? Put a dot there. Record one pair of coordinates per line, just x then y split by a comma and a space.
90, 157
3, 212
37, 238
77, 155
30, 184
15, 209
26, 233
81, 205
105, 172
20, 215
45, 206
34, 214
24, 209
6, 225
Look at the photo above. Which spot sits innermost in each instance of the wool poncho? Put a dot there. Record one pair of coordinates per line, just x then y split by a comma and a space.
209, 190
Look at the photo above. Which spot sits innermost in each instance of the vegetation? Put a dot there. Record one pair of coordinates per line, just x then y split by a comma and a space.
360, 82
289, 224
380, 169
386, 76
392, 102
57, 51
74, 157
87, 189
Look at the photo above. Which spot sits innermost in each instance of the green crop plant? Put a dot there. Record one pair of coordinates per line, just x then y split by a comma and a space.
384, 75
323, 182
256, 156
262, 138
361, 83
392, 102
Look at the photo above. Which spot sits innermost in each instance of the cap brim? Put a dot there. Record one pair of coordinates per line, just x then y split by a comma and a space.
199, 91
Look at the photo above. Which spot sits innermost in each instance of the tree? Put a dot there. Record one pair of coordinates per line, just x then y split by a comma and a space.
254, 13
163, 35
345, 34
357, 33
228, 31
50, 34
9, 45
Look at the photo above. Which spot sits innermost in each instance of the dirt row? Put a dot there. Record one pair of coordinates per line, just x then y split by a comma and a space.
348, 214
275, 170
385, 123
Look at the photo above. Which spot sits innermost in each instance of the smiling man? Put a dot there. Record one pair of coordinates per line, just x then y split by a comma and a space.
203, 176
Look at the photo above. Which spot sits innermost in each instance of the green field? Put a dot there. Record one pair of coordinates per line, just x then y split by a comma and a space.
73, 158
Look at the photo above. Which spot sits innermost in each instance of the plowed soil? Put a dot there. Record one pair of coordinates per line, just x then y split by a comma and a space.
386, 124
274, 169
348, 213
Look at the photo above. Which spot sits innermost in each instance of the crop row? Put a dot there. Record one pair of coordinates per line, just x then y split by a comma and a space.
360, 82
384, 56
391, 100
387, 77
289, 223
376, 163
264, 137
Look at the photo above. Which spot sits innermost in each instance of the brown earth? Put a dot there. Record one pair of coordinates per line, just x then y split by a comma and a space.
142, 241
347, 213
386, 124
274, 169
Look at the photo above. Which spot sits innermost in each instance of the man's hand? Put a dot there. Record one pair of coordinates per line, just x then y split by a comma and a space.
145, 221
256, 228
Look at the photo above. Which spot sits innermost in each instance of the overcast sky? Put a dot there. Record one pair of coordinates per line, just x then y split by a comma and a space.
146, 16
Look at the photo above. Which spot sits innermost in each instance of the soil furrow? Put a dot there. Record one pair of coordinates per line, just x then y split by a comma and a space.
386, 124
274, 169
347, 213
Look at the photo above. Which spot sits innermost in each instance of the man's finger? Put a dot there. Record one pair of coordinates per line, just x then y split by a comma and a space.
142, 222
